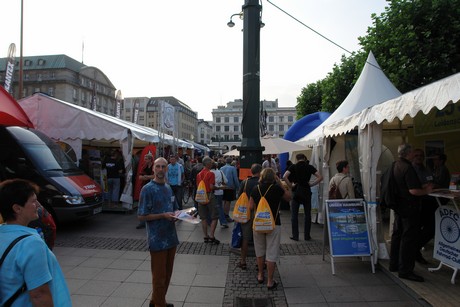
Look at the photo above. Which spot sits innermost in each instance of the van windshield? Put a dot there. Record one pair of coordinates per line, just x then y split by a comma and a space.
50, 159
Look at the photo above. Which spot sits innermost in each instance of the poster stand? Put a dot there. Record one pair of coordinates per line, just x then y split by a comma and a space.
347, 230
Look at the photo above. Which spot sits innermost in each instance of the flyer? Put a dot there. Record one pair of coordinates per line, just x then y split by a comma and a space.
189, 215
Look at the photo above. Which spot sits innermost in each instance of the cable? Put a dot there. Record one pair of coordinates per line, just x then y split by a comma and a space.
331, 41
311, 29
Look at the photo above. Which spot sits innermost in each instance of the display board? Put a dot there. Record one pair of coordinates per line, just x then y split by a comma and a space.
348, 228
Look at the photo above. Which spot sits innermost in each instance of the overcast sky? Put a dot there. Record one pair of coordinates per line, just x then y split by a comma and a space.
185, 49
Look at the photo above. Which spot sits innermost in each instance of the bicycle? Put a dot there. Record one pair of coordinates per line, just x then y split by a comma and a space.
187, 190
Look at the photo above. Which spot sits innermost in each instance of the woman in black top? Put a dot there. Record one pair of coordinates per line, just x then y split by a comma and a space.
267, 245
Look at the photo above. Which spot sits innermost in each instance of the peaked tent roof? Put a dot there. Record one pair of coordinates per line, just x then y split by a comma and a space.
62, 120
11, 114
437, 94
371, 88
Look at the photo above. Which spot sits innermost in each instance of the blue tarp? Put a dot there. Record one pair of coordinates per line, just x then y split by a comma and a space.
299, 129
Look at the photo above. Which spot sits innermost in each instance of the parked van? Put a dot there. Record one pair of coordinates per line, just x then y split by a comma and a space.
65, 191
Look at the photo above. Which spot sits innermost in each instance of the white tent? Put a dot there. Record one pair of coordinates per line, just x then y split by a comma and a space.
371, 88
69, 123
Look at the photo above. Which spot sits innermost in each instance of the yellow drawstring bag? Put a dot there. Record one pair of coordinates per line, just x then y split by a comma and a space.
264, 222
241, 211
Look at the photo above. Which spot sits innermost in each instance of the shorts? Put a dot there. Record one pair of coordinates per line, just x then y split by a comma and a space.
209, 209
268, 244
229, 195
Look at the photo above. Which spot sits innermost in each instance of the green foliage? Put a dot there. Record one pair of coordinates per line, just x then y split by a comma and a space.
415, 43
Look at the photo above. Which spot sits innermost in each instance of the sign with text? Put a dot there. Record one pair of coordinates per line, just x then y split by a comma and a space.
348, 228
438, 121
446, 239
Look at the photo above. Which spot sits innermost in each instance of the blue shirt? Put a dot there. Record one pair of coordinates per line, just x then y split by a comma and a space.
158, 198
232, 176
32, 262
175, 174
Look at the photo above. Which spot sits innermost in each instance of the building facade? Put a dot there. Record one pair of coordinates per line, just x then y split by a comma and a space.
63, 78
204, 132
227, 122
150, 113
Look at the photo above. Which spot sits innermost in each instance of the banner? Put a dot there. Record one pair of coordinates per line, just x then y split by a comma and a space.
9, 70
135, 106
438, 121
168, 117
446, 239
118, 98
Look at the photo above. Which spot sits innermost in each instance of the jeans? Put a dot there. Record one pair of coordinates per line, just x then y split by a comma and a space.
178, 193
114, 189
295, 218
220, 209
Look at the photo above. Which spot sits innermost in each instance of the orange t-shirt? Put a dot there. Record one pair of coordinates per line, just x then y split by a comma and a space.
208, 177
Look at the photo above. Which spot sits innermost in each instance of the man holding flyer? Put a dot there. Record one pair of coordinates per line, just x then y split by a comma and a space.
156, 207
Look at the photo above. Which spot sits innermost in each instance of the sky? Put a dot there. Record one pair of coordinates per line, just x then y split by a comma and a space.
184, 48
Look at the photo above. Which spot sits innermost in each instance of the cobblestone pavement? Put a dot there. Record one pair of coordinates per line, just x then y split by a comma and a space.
193, 248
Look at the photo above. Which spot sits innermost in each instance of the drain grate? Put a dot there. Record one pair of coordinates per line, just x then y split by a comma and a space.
253, 302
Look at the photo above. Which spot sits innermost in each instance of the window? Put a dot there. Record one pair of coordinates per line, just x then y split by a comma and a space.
226, 119
26, 77
27, 63
271, 119
51, 91
290, 118
226, 138
39, 77
217, 128
83, 96
236, 128
281, 128
281, 119
235, 137
52, 75
217, 119
41, 62
236, 119
226, 128
271, 128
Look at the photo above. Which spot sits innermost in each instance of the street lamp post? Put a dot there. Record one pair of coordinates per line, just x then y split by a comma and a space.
251, 149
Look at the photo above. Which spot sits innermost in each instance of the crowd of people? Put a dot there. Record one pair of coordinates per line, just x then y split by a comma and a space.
161, 197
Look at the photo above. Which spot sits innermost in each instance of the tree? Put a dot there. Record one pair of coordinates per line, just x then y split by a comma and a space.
416, 42
309, 100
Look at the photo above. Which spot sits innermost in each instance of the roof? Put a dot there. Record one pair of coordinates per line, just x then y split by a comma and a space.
371, 88
59, 61
63, 120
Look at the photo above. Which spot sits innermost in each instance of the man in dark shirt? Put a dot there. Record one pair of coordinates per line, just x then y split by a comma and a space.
300, 174
406, 227
115, 168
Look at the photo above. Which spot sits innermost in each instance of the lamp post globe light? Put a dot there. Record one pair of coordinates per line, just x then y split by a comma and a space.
250, 149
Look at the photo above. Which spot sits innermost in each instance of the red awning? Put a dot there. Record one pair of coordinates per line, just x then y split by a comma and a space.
11, 113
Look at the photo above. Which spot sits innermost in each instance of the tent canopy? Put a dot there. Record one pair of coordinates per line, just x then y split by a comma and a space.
11, 114
61, 120
371, 88
437, 94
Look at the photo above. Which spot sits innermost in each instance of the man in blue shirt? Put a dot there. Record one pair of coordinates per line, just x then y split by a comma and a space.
233, 185
175, 177
156, 208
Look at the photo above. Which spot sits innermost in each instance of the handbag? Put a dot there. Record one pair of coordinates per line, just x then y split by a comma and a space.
237, 235
241, 211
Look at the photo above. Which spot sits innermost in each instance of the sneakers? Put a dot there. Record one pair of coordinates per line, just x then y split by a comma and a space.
224, 226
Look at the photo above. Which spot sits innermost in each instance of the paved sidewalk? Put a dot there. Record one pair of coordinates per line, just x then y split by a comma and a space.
106, 263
